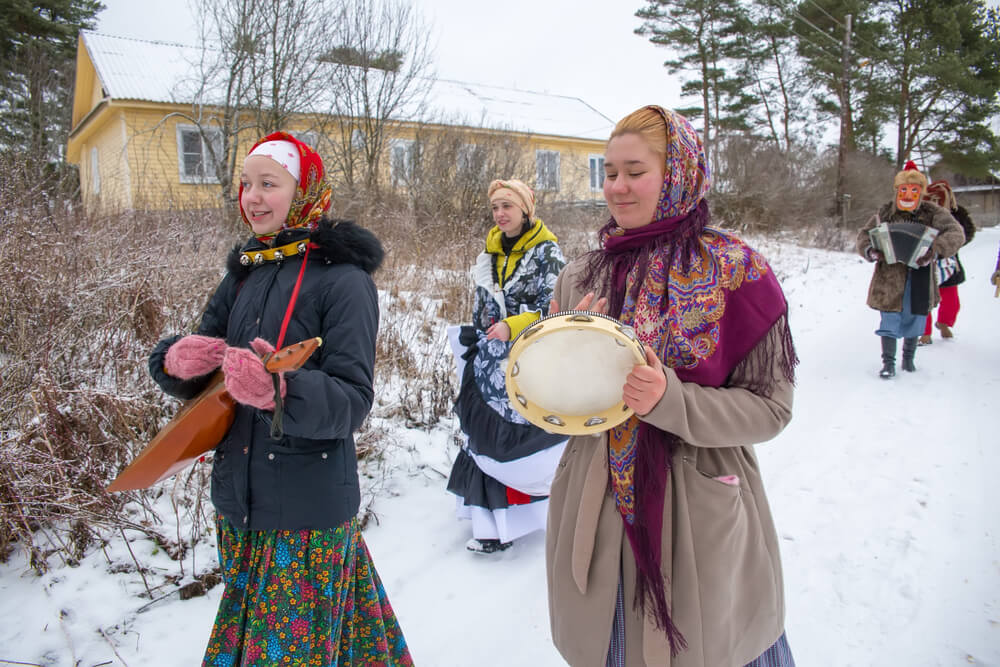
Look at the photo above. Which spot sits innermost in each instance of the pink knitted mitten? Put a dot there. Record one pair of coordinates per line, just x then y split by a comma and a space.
194, 355
247, 381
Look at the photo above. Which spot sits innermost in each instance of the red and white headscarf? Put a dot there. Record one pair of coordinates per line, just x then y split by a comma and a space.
313, 194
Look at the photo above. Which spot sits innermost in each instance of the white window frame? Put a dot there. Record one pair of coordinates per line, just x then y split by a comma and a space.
547, 175
402, 161
596, 163
95, 171
209, 176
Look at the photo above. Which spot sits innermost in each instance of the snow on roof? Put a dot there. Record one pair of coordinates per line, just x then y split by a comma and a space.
975, 188
135, 69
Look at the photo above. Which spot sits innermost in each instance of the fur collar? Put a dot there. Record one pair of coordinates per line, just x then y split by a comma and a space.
922, 214
337, 241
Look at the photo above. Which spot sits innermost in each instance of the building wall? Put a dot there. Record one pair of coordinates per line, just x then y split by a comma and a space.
103, 168
575, 167
140, 162
574, 183
154, 160
983, 205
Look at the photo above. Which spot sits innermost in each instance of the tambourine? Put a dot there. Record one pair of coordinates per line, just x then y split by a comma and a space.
565, 372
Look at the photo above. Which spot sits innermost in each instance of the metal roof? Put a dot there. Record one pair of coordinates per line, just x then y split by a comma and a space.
135, 69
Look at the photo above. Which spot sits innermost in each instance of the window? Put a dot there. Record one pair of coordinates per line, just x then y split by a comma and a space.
358, 139
95, 172
194, 155
310, 139
470, 160
596, 173
547, 170
402, 160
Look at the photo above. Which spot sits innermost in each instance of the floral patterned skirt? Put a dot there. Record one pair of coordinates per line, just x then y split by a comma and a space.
302, 597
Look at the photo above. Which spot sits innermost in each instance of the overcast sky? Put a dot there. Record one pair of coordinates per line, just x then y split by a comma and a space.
578, 48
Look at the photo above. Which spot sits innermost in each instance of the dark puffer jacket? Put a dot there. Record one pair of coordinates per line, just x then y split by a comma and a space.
962, 215
307, 479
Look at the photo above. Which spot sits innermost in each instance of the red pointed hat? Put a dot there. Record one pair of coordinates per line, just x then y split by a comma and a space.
910, 174
312, 196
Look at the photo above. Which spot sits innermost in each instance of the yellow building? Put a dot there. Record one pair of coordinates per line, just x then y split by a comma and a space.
136, 147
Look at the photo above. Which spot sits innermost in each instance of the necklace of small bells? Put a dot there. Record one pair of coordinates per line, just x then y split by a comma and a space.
273, 254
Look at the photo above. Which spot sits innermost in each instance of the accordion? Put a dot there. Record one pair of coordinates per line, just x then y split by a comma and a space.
902, 242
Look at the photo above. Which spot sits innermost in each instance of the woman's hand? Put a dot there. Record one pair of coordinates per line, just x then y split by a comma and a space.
600, 306
247, 380
645, 385
194, 355
499, 330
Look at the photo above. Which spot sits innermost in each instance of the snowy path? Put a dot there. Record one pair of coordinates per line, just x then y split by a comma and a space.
883, 493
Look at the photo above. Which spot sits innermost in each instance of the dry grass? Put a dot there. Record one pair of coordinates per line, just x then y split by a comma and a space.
82, 301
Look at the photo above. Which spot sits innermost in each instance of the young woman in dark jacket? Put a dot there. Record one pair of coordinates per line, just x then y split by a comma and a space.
299, 581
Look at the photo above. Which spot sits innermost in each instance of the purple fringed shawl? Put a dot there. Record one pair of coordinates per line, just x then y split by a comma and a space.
705, 301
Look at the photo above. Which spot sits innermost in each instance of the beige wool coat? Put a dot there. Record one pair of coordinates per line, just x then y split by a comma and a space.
719, 546
885, 291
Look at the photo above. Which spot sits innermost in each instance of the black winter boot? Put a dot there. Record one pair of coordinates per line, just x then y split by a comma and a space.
909, 350
486, 546
888, 358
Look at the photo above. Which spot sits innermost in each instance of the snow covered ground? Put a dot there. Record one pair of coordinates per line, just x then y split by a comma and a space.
884, 493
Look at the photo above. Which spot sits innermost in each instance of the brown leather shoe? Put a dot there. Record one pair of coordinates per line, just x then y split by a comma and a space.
925, 340
945, 330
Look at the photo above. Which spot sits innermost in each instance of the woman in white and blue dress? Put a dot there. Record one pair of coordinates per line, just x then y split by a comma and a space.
502, 474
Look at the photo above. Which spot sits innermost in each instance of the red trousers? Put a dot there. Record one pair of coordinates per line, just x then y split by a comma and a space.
947, 309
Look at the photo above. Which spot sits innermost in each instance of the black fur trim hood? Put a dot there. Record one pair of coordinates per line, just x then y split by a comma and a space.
338, 241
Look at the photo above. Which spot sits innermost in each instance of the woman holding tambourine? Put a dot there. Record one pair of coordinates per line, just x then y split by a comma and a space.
502, 474
660, 547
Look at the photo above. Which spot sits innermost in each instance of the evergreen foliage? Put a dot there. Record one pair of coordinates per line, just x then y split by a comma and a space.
704, 38
38, 48
926, 71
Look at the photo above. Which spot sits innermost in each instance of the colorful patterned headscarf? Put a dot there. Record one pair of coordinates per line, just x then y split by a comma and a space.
312, 196
705, 302
687, 177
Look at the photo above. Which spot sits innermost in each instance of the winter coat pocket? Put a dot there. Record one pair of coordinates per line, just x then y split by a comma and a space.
736, 577
223, 491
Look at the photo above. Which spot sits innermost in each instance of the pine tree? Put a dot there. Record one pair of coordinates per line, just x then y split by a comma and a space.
704, 37
38, 49
928, 70
944, 65
774, 74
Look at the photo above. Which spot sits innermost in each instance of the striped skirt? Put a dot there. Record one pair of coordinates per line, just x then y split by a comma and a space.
302, 597
778, 655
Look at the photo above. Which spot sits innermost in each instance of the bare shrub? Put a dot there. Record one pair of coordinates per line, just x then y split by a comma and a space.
451, 177
759, 188
82, 301
575, 226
